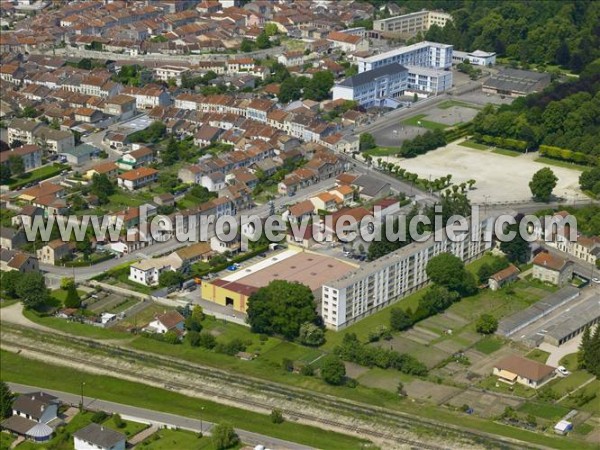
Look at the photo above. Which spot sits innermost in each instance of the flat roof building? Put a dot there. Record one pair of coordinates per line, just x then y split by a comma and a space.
573, 321
412, 23
516, 83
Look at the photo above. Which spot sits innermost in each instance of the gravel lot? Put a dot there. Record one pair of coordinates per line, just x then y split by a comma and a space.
499, 177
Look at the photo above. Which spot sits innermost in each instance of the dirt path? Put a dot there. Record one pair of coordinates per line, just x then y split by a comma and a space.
14, 314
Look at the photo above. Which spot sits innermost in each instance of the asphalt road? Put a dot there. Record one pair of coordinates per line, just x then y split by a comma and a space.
159, 418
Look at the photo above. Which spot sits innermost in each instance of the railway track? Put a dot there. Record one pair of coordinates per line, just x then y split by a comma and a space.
342, 406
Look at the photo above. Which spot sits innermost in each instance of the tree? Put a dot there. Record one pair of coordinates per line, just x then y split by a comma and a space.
194, 321
118, 421
289, 90
16, 165
271, 29
263, 41
400, 389
9, 283
170, 337
589, 178
367, 141
517, 250
5, 173
542, 184
102, 187
281, 307
486, 324
32, 291
399, 319
193, 337
6, 399
333, 370
207, 341
170, 278
319, 86
277, 416
449, 271
72, 300
310, 334
246, 46
85, 247
224, 436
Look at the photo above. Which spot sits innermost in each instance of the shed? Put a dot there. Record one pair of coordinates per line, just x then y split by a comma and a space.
563, 427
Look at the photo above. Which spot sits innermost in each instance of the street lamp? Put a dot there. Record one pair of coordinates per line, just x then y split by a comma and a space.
81, 404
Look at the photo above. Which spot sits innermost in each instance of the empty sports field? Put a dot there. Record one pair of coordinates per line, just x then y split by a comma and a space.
499, 178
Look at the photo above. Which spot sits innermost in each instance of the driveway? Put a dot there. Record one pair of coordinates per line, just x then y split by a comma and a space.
557, 353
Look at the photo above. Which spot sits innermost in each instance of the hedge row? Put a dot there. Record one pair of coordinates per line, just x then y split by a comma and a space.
507, 143
564, 154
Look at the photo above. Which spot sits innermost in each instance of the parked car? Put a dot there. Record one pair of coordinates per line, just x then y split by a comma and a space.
563, 371
596, 280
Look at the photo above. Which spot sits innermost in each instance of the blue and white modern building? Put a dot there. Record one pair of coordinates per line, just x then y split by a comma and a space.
374, 87
423, 54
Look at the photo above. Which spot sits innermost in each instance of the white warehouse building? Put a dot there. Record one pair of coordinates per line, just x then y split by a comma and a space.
478, 57
372, 287
375, 87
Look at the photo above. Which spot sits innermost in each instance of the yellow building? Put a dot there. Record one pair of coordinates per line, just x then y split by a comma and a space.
228, 293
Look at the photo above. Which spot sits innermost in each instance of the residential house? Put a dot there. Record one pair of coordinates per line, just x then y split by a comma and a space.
370, 187
136, 158
98, 437
148, 97
31, 155
22, 130
503, 277
168, 73
200, 251
87, 115
56, 141
530, 373
206, 135
31, 414
121, 106
291, 58
109, 168
16, 260
552, 269
55, 251
26, 216
12, 238
300, 211
164, 199
344, 193
348, 43
169, 321
137, 178
325, 202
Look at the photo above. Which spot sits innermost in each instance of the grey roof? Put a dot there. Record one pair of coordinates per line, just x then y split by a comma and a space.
545, 306
370, 75
101, 436
24, 124
370, 185
40, 430
18, 424
574, 318
34, 403
517, 80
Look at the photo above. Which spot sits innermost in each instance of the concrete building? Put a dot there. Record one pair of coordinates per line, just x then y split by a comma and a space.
166, 73
423, 54
516, 83
573, 321
387, 280
428, 79
552, 269
410, 24
374, 87
31, 155
477, 58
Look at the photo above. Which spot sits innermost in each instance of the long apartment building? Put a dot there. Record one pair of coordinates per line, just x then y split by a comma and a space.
412, 23
387, 280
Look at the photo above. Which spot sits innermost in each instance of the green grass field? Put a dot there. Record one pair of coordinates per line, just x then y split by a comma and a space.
506, 152
567, 384
419, 121
474, 145
488, 345
130, 429
6, 440
40, 174
382, 151
538, 355
178, 439
544, 410
18, 369
565, 164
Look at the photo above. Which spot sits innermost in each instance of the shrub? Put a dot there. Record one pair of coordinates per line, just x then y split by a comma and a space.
277, 416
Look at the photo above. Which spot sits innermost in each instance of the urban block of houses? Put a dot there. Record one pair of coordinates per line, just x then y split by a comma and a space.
16, 260
552, 269
515, 369
137, 178
503, 277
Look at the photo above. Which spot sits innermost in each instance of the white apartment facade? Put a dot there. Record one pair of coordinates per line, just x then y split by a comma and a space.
423, 54
412, 23
398, 274
166, 73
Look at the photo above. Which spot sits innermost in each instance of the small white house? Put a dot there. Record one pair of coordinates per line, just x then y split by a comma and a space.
563, 427
170, 321
98, 437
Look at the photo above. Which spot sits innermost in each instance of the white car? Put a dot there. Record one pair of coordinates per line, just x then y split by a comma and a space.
596, 280
561, 370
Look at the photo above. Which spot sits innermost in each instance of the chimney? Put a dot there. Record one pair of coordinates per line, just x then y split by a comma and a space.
42, 408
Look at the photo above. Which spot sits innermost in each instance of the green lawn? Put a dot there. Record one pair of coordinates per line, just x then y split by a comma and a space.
544, 410
125, 305
565, 164
474, 145
564, 385
142, 318
177, 439
79, 329
491, 383
6, 440
419, 121
40, 174
489, 344
538, 355
569, 362
506, 152
382, 151
450, 103
130, 429
61, 294
19, 369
